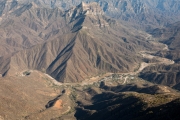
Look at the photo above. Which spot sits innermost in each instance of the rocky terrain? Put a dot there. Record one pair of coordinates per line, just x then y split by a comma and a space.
165, 74
84, 43
142, 14
35, 95
96, 59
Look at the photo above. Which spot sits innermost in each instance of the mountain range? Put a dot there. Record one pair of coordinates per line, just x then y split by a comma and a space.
142, 14
90, 59
68, 45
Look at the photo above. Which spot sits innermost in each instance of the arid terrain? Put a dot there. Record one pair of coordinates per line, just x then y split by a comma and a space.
36, 95
89, 60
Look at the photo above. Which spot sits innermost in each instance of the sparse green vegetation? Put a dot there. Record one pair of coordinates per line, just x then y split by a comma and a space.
26, 73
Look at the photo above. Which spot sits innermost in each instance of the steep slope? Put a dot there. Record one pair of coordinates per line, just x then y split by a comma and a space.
163, 74
41, 42
146, 13
168, 35
27, 25
140, 14
89, 44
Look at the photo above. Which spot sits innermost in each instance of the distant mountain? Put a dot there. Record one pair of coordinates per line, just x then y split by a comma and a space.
168, 35
146, 13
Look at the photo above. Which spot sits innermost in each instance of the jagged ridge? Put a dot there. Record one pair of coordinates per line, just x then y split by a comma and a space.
88, 44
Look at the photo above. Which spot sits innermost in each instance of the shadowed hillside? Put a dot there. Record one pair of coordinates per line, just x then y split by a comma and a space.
77, 44
166, 74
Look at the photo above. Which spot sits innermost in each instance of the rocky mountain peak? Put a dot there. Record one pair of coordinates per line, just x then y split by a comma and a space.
92, 8
86, 9
77, 14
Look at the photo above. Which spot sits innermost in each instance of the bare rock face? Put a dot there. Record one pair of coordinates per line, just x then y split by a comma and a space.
93, 9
